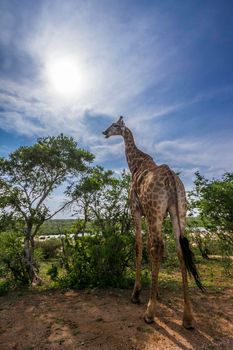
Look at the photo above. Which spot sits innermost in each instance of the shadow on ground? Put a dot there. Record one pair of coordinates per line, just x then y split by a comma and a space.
107, 320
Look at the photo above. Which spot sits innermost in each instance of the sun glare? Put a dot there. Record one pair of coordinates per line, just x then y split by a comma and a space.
65, 76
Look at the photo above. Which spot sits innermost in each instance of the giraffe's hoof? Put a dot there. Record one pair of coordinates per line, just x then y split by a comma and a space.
188, 325
148, 320
135, 300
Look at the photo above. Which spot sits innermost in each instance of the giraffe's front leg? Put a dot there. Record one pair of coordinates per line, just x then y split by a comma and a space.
138, 246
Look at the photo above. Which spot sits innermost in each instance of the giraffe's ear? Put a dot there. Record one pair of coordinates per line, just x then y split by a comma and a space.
121, 121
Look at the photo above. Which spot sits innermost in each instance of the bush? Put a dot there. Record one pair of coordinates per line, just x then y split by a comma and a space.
12, 263
226, 253
53, 272
170, 259
48, 248
5, 286
97, 261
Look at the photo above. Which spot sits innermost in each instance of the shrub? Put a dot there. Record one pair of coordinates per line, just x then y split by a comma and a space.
48, 248
12, 263
53, 272
170, 259
5, 286
226, 253
97, 261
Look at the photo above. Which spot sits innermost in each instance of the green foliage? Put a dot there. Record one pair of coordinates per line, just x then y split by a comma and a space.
56, 226
226, 253
12, 263
100, 259
97, 261
104, 257
53, 272
170, 259
29, 175
211, 206
49, 248
214, 202
103, 199
5, 287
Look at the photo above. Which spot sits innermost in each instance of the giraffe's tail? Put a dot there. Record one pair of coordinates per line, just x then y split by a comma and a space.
184, 243
189, 262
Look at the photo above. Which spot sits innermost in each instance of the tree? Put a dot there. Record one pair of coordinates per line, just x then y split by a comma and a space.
102, 198
213, 201
85, 193
102, 258
29, 176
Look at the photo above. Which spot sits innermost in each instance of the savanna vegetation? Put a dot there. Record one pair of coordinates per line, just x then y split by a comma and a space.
96, 248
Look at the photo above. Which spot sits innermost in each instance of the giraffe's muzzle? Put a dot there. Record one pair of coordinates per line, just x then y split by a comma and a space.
105, 133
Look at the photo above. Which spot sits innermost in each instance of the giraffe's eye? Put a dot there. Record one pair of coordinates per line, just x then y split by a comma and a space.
115, 125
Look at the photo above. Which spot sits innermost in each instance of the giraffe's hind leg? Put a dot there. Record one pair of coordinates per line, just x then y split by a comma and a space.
179, 226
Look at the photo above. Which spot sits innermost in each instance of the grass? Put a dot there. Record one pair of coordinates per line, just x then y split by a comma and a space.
170, 281
213, 275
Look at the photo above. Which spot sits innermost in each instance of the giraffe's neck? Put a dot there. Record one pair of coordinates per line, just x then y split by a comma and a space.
136, 159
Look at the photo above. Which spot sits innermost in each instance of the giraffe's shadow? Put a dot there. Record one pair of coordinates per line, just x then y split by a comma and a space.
208, 331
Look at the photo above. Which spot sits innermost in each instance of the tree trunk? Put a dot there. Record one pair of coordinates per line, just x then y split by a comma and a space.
85, 221
29, 257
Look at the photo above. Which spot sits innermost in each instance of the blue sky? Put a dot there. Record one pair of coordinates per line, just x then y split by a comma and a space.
165, 65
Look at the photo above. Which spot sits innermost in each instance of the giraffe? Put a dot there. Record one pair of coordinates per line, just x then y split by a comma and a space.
155, 191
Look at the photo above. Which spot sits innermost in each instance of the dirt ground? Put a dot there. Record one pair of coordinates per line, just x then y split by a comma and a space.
107, 320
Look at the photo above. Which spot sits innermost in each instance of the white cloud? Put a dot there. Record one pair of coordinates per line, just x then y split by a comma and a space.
108, 150
114, 56
120, 57
13, 121
208, 155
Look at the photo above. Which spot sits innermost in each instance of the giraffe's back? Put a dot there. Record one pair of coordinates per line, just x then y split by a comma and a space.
158, 188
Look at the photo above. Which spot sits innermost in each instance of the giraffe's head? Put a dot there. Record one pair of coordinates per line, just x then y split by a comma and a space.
115, 129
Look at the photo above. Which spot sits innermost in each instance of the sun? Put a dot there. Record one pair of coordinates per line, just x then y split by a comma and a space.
65, 76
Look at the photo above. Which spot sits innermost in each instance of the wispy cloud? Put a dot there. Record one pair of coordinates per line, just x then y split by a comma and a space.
107, 151
146, 62
197, 152
116, 58
210, 156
